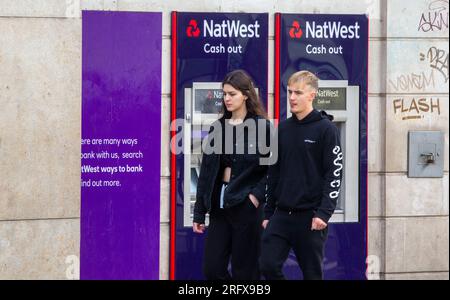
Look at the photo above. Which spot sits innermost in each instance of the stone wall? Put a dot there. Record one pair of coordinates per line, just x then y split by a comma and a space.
40, 129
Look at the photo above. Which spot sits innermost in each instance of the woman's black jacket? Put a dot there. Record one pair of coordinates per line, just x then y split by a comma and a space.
248, 171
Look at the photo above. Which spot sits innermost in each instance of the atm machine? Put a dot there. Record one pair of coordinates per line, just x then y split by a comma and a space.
202, 105
341, 100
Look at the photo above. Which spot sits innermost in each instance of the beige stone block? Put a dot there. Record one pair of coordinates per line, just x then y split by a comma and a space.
99, 4
40, 249
270, 107
166, 23
373, 8
417, 244
165, 136
377, 67
418, 276
72, 8
417, 66
445, 192
272, 25
376, 134
416, 196
164, 246
167, 7
271, 67
376, 243
376, 194
42, 8
417, 18
40, 92
166, 66
165, 200
413, 112
256, 6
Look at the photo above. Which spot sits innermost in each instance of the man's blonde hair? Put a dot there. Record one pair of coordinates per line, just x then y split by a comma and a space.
305, 76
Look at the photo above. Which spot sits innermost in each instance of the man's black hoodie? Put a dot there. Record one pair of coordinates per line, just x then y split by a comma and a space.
308, 172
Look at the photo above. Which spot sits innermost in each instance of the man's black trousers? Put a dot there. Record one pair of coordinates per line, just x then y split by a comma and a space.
287, 231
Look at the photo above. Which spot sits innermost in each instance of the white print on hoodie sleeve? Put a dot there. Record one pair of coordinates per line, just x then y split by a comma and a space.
335, 184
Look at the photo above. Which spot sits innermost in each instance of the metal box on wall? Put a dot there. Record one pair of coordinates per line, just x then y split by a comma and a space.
425, 154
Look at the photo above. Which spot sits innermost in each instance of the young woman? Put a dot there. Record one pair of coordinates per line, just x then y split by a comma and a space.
232, 184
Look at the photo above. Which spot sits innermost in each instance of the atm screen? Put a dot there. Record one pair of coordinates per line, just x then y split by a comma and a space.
208, 101
331, 98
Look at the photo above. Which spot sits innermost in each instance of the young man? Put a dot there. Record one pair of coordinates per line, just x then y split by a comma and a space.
303, 186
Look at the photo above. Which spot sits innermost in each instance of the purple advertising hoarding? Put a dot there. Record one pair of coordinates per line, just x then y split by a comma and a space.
121, 145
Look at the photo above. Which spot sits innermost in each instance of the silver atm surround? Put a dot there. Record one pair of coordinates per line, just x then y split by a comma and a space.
347, 120
193, 122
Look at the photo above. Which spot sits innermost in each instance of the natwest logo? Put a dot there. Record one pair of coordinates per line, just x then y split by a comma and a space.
330, 30
295, 31
230, 28
192, 30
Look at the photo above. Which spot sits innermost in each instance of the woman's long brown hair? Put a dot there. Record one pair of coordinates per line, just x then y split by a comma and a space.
240, 80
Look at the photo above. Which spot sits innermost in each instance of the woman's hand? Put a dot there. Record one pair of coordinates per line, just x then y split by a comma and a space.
198, 228
264, 223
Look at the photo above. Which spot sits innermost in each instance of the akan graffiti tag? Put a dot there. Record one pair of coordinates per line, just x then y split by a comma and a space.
436, 19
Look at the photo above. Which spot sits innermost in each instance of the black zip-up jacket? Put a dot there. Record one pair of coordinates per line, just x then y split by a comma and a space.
248, 175
308, 172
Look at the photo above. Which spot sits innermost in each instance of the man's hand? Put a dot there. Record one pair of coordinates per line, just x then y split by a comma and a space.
264, 223
318, 224
198, 228
254, 200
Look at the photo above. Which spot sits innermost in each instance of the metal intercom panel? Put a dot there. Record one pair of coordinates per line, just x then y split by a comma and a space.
425, 154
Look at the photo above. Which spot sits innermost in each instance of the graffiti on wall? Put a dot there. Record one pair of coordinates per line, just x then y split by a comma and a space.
425, 79
415, 108
413, 81
438, 59
435, 18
